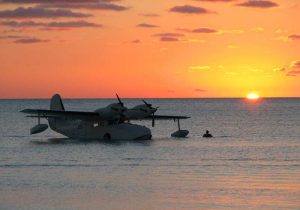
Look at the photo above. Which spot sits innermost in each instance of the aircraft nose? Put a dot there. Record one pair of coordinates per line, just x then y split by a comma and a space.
126, 114
144, 110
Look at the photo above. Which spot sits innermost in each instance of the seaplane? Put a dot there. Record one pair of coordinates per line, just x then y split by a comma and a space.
112, 122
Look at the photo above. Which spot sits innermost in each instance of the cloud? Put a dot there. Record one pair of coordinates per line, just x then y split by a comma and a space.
199, 90
12, 31
137, 41
169, 34
150, 15
67, 24
21, 24
37, 12
146, 25
72, 24
293, 73
193, 68
282, 38
279, 69
93, 6
210, 30
217, 0
296, 64
168, 39
14, 37
258, 4
258, 29
204, 30
294, 37
188, 9
295, 69
30, 40
54, 1
104, 6
234, 31
72, 4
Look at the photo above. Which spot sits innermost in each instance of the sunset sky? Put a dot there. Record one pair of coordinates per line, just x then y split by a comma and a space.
149, 48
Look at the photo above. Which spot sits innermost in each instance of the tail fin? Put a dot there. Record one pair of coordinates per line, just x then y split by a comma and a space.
56, 103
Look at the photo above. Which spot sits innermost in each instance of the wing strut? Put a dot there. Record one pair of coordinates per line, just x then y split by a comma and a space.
178, 122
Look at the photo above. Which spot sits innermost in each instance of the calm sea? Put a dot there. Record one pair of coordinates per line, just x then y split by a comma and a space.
253, 161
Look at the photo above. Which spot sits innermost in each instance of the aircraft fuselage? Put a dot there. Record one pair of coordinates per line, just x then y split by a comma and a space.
102, 130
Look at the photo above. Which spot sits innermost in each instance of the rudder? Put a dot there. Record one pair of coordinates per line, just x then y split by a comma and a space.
56, 103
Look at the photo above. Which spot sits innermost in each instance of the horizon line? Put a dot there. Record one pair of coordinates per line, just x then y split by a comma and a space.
274, 97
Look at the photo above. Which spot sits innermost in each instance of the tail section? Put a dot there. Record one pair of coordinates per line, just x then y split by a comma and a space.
56, 103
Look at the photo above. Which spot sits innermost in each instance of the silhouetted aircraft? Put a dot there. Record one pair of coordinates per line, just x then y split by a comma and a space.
110, 122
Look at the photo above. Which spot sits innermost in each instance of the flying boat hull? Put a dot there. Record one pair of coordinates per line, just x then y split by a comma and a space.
122, 131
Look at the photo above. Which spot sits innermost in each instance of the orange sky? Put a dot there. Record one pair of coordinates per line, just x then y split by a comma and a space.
178, 48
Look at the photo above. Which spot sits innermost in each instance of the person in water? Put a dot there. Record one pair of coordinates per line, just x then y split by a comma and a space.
207, 134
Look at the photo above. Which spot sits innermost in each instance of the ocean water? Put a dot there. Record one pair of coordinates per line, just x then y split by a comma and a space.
253, 161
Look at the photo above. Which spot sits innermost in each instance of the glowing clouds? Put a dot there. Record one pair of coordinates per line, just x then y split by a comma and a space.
295, 69
294, 37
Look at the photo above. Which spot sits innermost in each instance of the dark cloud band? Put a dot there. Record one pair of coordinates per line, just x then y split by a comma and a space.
147, 25
204, 30
258, 4
54, 1
188, 9
169, 35
169, 39
67, 24
294, 37
89, 6
30, 40
36, 12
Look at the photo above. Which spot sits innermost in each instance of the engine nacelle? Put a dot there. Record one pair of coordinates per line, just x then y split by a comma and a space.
38, 128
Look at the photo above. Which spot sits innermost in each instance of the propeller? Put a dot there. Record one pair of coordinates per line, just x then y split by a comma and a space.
149, 105
120, 102
119, 109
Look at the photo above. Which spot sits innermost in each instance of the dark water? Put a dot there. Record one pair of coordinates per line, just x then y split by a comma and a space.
252, 163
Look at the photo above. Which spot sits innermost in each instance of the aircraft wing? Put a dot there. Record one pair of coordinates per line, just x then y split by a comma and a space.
87, 116
165, 117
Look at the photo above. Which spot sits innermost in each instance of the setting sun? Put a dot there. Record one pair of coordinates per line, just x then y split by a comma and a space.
252, 96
